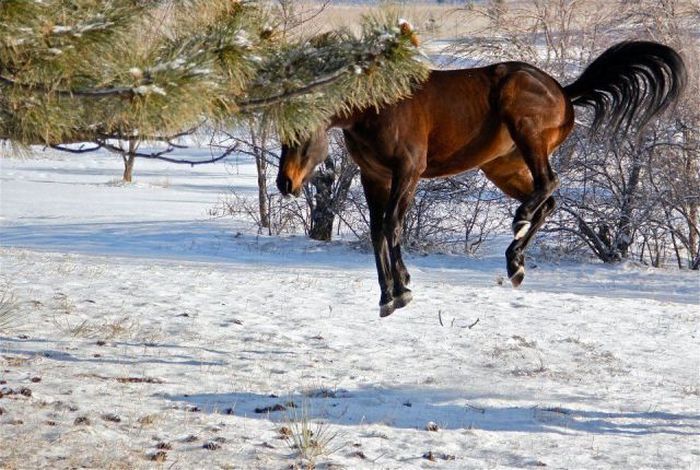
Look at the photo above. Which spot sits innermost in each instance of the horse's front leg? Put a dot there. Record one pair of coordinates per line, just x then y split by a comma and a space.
402, 190
377, 194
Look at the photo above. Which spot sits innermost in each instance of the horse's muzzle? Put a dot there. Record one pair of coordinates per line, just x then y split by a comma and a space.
284, 184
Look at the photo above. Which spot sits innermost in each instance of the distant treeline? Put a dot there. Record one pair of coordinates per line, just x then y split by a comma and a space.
401, 2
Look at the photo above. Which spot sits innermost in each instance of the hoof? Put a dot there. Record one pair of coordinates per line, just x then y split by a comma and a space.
403, 299
521, 228
386, 309
517, 277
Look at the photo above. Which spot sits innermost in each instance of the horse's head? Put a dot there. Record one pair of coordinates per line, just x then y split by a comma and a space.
298, 161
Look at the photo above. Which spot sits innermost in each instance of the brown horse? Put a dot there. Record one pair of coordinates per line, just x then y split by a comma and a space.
505, 119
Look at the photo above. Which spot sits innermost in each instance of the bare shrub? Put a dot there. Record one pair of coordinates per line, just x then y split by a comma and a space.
455, 214
8, 308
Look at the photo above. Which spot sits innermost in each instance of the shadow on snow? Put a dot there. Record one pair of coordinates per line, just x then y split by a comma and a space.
415, 408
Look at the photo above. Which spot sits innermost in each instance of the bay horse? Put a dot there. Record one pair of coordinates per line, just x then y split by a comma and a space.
504, 119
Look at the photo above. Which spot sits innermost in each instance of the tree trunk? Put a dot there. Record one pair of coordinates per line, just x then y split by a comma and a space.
129, 159
623, 238
332, 183
263, 206
259, 145
691, 163
693, 244
322, 213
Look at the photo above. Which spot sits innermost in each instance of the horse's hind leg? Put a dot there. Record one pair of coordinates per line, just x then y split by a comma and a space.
515, 254
538, 117
512, 175
528, 219
534, 146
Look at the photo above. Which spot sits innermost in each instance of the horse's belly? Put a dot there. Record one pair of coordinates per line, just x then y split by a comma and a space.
480, 150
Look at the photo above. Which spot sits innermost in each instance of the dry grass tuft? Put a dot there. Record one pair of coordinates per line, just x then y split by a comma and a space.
308, 439
8, 308
120, 328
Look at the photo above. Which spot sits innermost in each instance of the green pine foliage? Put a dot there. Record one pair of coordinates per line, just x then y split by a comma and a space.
372, 70
48, 46
89, 70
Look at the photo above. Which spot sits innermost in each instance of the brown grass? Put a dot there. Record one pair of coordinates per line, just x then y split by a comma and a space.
431, 21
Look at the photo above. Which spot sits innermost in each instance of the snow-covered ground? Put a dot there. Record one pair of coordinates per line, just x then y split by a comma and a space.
145, 330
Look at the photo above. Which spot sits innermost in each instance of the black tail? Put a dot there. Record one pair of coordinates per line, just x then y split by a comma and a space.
629, 84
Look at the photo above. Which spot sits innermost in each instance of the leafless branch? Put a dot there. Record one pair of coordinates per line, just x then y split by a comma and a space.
81, 149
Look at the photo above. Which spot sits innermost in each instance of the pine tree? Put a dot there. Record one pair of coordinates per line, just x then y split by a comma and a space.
93, 71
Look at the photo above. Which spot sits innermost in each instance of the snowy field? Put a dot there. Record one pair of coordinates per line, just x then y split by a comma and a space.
146, 334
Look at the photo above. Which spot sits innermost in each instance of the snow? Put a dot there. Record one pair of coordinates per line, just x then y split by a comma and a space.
175, 64
166, 329
148, 89
136, 72
61, 29
242, 39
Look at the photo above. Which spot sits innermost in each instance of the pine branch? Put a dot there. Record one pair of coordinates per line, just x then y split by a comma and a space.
256, 104
94, 93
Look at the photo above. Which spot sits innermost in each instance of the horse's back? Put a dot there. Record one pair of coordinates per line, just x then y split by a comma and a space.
456, 120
